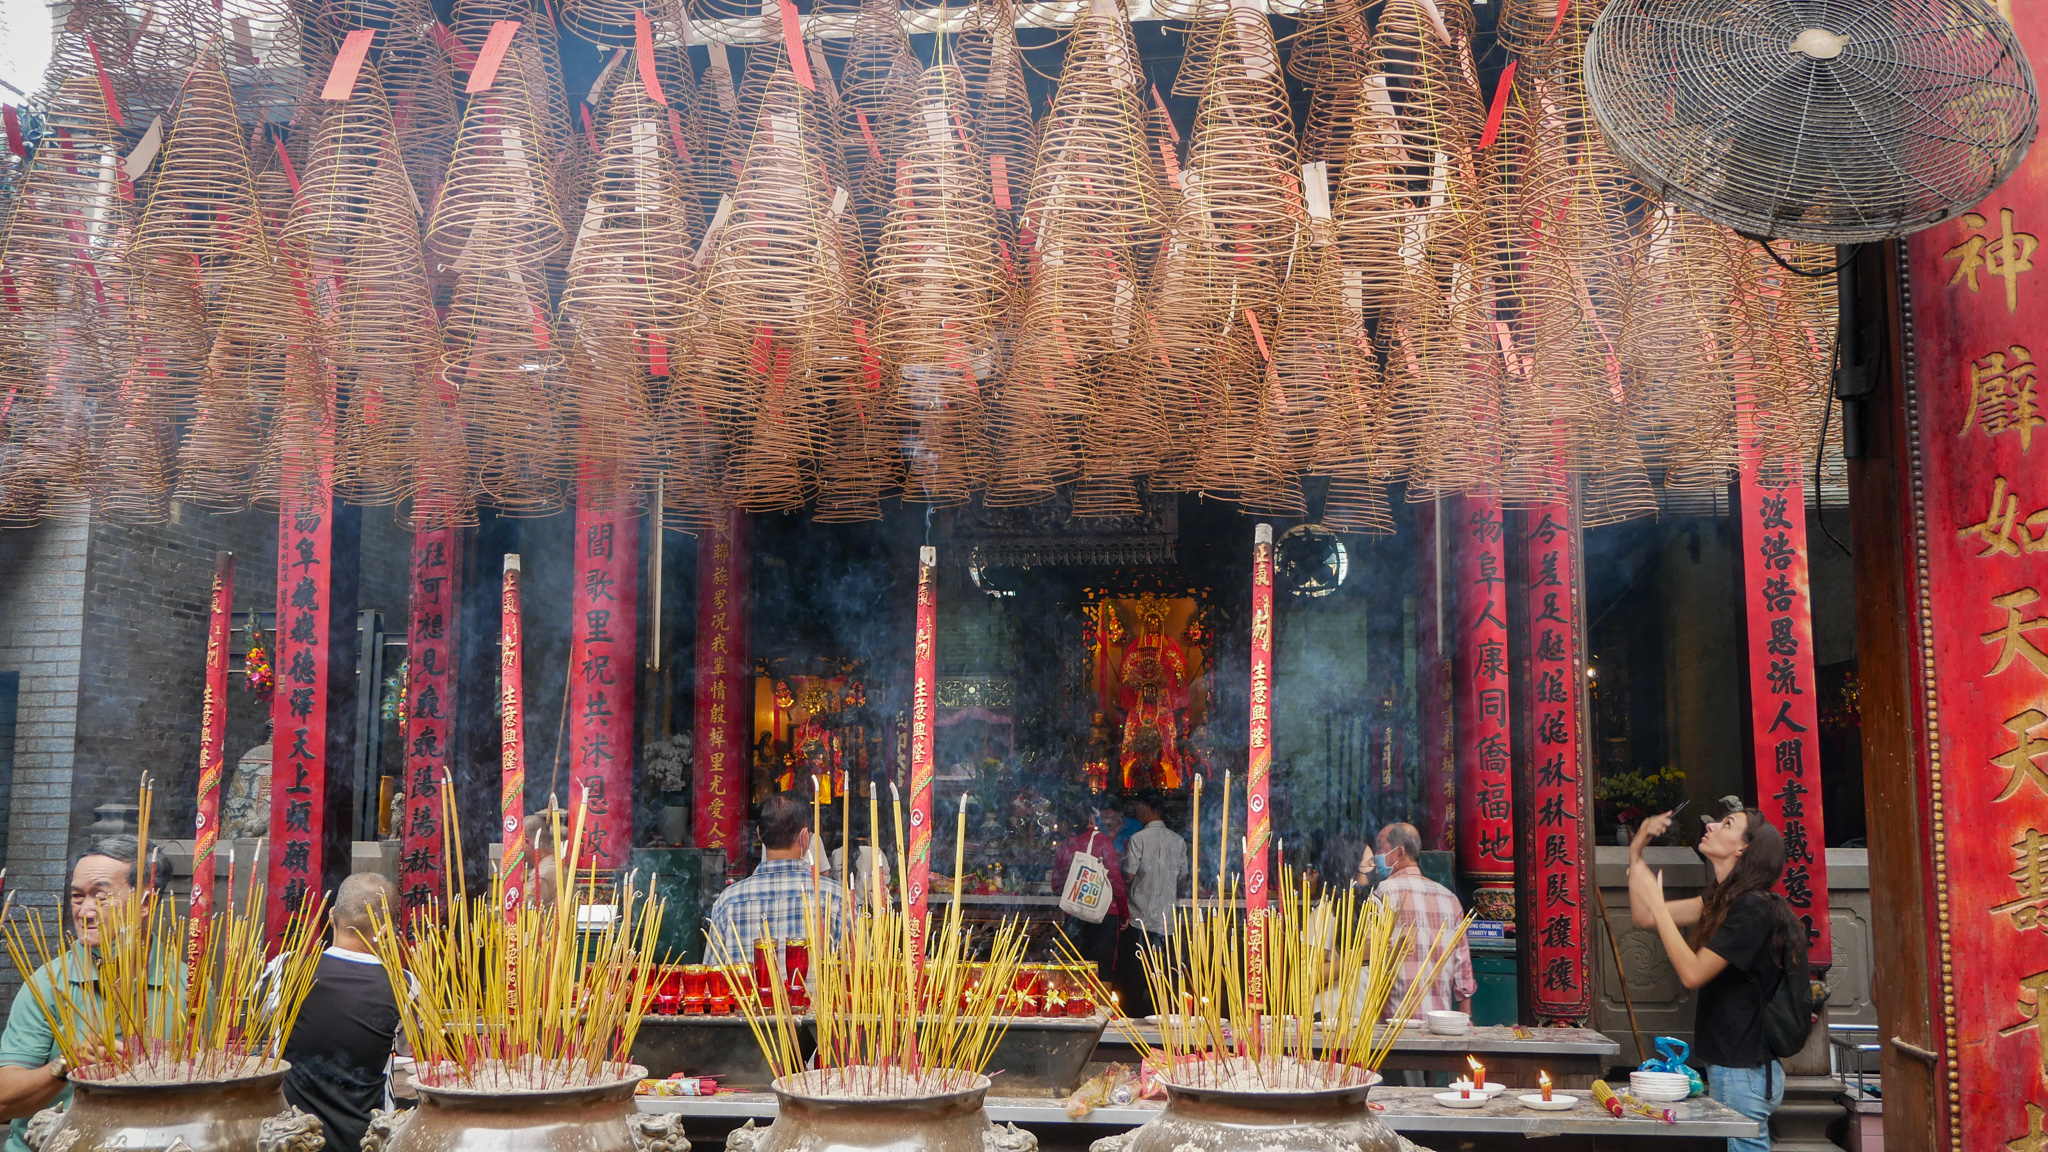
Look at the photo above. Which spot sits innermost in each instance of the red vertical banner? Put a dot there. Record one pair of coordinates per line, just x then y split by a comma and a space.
923, 714
1259, 768
512, 739
1433, 620
1559, 943
724, 703
1977, 529
603, 624
433, 615
1477, 593
213, 730
1777, 606
298, 709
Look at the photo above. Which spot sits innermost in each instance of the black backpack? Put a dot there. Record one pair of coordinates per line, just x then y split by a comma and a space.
1788, 1010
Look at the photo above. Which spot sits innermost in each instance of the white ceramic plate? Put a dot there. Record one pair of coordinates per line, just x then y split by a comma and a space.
1489, 1089
1556, 1103
1650, 1095
1456, 1100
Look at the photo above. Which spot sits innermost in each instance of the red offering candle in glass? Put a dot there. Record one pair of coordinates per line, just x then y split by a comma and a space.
765, 975
1030, 987
718, 992
696, 989
796, 973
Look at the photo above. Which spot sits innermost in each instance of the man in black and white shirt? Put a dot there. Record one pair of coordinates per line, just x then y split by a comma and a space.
342, 1045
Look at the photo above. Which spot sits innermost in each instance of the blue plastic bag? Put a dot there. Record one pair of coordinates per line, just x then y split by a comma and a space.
1671, 1054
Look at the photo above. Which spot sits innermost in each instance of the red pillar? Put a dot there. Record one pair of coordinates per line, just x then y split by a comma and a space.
1477, 597
1557, 862
431, 645
724, 698
604, 616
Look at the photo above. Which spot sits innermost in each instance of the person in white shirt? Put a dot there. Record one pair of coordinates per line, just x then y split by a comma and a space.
1155, 863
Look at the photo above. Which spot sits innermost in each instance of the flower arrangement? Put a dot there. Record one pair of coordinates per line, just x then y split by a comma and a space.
1629, 797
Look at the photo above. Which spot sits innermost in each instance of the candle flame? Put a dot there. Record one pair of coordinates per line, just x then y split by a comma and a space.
1478, 1072
1543, 1079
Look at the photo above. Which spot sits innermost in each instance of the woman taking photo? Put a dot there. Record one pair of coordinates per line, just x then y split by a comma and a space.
1744, 940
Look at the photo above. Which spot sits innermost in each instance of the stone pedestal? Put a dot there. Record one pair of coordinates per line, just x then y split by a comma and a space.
1812, 1102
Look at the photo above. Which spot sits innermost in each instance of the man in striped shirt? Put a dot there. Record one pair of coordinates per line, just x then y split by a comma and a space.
771, 901
1427, 907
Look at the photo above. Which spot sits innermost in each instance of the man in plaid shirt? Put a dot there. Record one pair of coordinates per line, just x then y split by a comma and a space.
771, 901
1426, 906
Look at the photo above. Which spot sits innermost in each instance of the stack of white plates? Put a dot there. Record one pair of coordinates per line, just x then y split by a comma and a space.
1659, 1087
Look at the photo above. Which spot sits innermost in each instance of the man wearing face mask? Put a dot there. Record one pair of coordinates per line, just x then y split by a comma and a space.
1097, 942
1426, 906
772, 899
33, 1073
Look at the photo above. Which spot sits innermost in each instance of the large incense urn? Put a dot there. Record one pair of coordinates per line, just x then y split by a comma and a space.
127, 1112
812, 1112
1247, 1119
596, 1117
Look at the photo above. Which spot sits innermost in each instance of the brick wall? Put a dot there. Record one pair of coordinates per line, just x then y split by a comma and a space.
42, 616
144, 658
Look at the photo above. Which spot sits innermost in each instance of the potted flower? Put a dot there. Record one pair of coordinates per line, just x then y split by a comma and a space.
1625, 799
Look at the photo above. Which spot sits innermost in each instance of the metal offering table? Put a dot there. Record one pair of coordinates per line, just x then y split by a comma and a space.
1703, 1125
1574, 1057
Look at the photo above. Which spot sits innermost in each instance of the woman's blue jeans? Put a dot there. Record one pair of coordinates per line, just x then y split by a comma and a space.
1754, 1092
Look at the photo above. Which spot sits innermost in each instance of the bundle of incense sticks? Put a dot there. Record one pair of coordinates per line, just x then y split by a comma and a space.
152, 1017
1332, 964
530, 1003
890, 1021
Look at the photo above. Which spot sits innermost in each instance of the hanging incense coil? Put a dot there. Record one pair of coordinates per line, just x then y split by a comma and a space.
497, 206
201, 210
1415, 115
1548, 38
773, 463
472, 24
1352, 448
611, 23
687, 134
1674, 338
419, 84
936, 273
861, 463
776, 265
1198, 51
241, 390
945, 447
69, 219
1331, 45
505, 365
625, 281
389, 336
1093, 161
610, 420
1003, 124
1241, 194
1031, 442
352, 140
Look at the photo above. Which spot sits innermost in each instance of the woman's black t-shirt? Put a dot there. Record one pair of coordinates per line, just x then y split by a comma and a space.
1730, 1028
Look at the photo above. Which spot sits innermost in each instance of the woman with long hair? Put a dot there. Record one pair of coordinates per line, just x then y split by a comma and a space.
1744, 942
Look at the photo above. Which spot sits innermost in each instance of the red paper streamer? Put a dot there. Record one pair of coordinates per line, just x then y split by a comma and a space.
213, 730
724, 696
485, 73
13, 119
603, 615
1481, 722
923, 705
512, 740
1259, 768
1501, 92
999, 179
1558, 897
298, 708
341, 79
106, 85
793, 43
643, 57
432, 648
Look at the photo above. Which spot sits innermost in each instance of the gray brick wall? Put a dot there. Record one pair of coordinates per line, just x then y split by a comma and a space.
144, 658
42, 619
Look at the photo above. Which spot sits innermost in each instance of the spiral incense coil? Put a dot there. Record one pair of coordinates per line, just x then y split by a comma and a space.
936, 272
1241, 194
716, 105
496, 206
1331, 44
1352, 435
1416, 112
1002, 122
861, 463
419, 84
1198, 51
611, 23
686, 133
1673, 340
1526, 30
472, 23
610, 420
388, 334
777, 264
876, 91
505, 365
946, 454
1125, 434
773, 463
1032, 446
202, 208
626, 277
1313, 348
1093, 161
353, 139
69, 220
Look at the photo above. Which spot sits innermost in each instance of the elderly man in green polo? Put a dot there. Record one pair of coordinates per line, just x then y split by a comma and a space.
33, 1074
